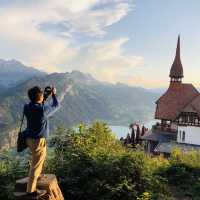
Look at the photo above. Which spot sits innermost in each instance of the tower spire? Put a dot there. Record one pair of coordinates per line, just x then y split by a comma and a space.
176, 72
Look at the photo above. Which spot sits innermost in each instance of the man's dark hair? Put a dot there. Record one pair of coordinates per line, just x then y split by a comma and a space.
35, 93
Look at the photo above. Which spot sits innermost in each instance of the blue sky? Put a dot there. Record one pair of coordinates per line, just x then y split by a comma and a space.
129, 41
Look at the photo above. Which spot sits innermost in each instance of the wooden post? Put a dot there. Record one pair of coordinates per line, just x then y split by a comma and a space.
47, 182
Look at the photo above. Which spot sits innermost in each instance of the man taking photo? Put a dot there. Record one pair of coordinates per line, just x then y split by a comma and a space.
37, 113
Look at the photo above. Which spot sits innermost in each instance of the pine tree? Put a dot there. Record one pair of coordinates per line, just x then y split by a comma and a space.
132, 136
128, 139
138, 134
143, 130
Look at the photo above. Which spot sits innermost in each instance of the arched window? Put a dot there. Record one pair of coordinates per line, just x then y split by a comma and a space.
180, 135
183, 136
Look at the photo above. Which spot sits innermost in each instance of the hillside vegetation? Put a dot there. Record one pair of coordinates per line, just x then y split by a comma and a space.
91, 163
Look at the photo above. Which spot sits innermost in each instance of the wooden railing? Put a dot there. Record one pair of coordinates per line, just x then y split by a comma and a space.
164, 128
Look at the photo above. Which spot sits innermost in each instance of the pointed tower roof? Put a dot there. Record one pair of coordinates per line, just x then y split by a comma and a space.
177, 68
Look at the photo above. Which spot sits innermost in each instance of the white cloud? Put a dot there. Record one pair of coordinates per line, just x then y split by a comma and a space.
23, 36
107, 61
93, 22
23, 39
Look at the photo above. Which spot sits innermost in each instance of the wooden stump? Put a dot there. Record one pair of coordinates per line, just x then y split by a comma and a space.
47, 182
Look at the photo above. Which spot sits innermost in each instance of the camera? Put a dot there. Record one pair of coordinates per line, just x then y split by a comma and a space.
47, 92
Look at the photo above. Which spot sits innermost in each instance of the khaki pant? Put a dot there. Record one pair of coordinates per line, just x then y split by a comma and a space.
38, 154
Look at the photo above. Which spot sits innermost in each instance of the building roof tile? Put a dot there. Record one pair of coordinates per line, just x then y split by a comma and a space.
175, 99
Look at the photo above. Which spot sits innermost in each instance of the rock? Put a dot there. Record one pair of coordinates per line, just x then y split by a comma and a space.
47, 182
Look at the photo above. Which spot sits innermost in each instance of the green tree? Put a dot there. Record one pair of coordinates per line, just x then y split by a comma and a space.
95, 165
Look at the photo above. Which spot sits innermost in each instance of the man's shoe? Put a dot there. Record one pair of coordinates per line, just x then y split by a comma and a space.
37, 193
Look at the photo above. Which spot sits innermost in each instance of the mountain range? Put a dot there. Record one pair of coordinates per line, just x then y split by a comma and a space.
12, 72
83, 99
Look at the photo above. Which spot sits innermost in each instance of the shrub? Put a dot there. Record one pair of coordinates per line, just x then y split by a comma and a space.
92, 164
184, 172
12, 167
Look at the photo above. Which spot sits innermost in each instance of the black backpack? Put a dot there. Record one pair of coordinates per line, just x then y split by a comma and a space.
21, 140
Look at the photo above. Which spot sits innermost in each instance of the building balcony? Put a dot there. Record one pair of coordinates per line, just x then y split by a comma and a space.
158, 127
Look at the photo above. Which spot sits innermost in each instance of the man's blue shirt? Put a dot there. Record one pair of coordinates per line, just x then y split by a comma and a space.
37, 118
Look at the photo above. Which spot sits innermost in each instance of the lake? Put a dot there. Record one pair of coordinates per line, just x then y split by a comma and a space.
121, 131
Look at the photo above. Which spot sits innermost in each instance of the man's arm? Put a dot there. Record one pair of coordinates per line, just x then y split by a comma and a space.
49, 110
